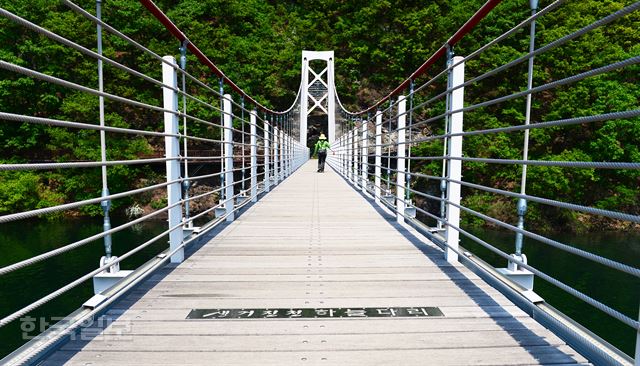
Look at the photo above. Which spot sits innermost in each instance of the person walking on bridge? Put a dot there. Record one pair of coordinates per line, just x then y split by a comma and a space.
321, 149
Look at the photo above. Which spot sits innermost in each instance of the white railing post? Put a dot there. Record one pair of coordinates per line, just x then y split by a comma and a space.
288, 155
285, 150
172, 151
343, 154
353, 165
347, 170
283, 168
276, 149
455, 166
378, 171
229, 204
296, 156
266, 181
637, 357
400, 158
364, 158
254, 156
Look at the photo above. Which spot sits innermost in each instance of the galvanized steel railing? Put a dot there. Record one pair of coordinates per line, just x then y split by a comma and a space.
381, 141
254, 149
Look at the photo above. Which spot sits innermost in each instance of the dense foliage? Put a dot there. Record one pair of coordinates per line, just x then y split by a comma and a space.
257, 43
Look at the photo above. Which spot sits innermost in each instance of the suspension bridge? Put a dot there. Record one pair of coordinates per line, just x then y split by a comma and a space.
291, 266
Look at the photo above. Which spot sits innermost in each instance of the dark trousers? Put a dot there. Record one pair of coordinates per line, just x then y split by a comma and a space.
322, 156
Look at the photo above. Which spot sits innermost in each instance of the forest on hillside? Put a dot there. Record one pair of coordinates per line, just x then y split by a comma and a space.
378, 44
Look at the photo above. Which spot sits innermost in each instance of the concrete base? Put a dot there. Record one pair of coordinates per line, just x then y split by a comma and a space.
370, 186
522, 277
104, 280
410, 212
389, 199
188, 232
241, 199
220, 211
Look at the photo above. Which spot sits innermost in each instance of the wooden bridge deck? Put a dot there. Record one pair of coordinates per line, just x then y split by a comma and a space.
314, 242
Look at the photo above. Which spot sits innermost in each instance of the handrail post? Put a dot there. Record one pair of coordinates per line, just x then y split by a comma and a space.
228, 157
172, 151
266, 181
348, 156
521, 207
278, 172
356, 155
400, 158
106, 204
364, 157
343, 156
378, 162
254, 156
283, 149
637, 356
288, 149
455, 166
294, 155
338, 159
283, 168
289, 155
275, 153
291, 151
285, 153
353, 166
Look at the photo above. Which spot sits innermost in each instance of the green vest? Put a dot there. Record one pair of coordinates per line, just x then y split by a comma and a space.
321, 146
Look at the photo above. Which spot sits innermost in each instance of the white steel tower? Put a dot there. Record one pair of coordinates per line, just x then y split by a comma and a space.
318, 91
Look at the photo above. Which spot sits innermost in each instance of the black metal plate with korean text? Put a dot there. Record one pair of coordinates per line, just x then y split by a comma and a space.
318, 313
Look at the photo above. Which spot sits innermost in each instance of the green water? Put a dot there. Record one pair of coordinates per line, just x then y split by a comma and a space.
23, 240
616, 289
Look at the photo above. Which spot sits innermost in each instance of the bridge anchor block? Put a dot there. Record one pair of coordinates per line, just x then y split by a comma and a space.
517, 274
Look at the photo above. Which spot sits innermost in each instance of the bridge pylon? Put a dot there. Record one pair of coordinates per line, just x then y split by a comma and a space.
318, 91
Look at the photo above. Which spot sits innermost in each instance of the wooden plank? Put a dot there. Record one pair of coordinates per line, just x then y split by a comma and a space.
144, 325
452, 307
489, 356
389, 270
312, 342
371, 277
389, 287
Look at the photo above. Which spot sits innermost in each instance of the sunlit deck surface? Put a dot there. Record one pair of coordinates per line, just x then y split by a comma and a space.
314, 242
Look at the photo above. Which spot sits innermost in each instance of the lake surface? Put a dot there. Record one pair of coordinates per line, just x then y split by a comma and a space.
25, 239
616, 289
